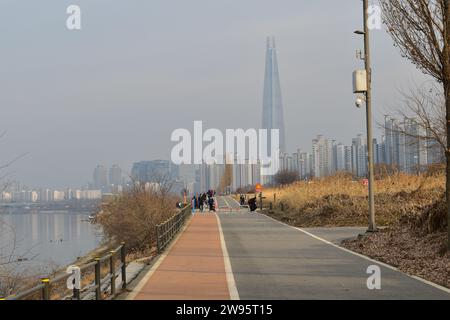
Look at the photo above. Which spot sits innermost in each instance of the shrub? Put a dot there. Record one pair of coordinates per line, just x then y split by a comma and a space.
133, 216
285, 177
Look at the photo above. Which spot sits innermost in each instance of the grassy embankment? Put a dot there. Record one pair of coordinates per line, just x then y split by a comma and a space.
340, 201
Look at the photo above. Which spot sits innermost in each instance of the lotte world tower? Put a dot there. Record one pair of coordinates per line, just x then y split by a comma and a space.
272, 116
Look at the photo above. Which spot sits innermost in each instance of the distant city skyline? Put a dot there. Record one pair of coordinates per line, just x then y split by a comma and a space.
114, 91
325, 157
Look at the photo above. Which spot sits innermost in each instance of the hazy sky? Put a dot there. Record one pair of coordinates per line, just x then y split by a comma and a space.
114, 91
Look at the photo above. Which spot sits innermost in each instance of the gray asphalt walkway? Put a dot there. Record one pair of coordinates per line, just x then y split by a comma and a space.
337, 235
228, 203
273, 261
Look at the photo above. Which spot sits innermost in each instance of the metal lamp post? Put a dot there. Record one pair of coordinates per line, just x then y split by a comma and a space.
368, 101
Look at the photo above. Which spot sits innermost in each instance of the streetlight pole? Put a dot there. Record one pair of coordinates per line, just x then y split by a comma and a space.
368, 96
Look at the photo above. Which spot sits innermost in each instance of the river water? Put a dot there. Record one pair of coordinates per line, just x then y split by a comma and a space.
46, 240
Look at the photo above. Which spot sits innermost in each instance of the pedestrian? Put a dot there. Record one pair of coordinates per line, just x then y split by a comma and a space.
252, 204
200, 203
242, 200
194, 203
212, 207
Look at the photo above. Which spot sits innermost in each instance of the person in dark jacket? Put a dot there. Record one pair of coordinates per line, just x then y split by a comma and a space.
211, 203
242, 200
252, 204
200, 203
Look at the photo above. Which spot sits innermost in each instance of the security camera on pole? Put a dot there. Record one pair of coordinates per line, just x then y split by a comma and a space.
362, 85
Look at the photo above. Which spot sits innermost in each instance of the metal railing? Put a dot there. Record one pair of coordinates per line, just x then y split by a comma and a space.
99, 276
167, 230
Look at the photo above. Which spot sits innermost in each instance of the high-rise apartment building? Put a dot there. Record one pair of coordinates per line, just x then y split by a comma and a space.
115, 176
151, 171
100, 178
359, 156
322, 155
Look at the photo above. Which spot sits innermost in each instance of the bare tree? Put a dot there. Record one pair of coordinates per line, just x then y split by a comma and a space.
11, 273
427, 106
227, 178
420, 122
421, 30
164, 183
284, 177
131, 217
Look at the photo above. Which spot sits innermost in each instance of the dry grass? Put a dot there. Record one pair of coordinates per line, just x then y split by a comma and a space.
341, 201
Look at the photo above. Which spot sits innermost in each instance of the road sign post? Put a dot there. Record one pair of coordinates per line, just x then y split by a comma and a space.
258, 189
260, 201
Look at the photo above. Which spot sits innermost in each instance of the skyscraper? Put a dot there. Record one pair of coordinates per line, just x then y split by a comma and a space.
341, 163
322, 157
416, 153
273, 117
115, 175
359, 156
115, 179
151, 171
101, 178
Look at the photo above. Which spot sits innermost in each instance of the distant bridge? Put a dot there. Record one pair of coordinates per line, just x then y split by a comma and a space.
73, 205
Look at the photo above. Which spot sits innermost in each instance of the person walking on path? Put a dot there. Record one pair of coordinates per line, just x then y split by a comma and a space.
194, 203
242, 200
252, 204
202, 200
212, 206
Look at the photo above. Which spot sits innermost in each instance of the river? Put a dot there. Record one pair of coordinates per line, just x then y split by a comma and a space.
46, 240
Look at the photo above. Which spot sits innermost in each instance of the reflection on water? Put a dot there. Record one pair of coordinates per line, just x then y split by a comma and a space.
50, 239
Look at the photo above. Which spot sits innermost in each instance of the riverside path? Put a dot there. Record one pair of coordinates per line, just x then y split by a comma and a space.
234, 254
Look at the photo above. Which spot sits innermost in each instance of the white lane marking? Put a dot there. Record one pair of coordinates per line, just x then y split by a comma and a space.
239, 205
232, 289
447, 290
228, 205
144, 280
